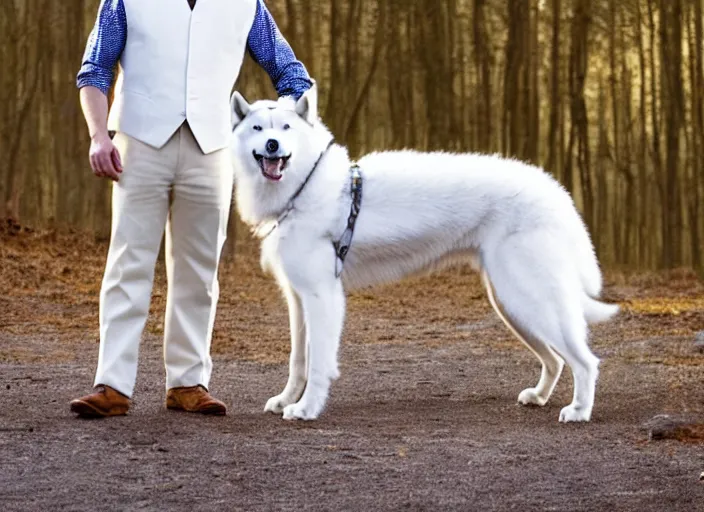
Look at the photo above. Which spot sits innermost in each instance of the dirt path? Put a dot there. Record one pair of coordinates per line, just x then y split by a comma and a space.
424, 416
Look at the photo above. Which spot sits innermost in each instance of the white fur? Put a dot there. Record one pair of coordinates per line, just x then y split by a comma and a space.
420, 212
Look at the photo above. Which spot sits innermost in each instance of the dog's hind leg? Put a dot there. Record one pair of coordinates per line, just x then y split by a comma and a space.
540, 292
297, 361
585, 370
551, 364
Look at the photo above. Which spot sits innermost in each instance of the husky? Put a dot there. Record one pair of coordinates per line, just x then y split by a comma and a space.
329, 225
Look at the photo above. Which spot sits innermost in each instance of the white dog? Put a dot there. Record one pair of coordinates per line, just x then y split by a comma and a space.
517, 226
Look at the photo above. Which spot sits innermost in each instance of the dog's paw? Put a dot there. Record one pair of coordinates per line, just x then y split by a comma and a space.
530, 397
276, 404
299, 411
571, 413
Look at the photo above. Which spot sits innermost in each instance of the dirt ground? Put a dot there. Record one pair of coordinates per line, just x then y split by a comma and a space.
424, 416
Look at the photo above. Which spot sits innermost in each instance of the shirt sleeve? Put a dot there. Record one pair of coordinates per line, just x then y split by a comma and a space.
104, 47
271, 51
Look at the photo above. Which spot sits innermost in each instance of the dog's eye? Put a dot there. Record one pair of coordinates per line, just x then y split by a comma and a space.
287, 126
257, 128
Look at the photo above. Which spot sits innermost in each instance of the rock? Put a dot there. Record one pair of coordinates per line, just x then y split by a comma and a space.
664, 426
701, 477
699, 341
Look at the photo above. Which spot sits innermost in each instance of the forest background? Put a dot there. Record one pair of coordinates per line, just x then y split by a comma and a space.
606, 95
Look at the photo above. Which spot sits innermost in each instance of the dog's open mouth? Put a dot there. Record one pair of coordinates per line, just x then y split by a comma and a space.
272, 168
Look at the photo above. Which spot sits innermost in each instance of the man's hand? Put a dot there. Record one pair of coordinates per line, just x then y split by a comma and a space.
105, 158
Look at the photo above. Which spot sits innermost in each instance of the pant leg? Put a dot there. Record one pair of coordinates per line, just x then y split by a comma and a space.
140, 202
195, 234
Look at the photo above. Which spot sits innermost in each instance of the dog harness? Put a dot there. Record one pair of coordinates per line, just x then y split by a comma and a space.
342, 245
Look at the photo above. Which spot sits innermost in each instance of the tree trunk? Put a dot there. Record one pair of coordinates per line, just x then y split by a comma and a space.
673, 108
554, 163
579, 131
483, 63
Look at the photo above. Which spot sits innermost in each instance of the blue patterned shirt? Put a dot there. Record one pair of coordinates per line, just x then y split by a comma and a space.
265, 44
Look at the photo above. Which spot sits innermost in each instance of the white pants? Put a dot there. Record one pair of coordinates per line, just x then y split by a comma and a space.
196, 226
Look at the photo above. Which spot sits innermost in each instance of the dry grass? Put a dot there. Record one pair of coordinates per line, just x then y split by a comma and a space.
51, 283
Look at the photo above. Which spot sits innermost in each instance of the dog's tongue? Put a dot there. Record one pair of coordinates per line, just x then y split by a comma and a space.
273, 167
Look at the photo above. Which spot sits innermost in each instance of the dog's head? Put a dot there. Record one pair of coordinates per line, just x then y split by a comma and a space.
271, 139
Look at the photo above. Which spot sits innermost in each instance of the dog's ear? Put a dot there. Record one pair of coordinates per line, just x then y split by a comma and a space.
239, 108
307, 104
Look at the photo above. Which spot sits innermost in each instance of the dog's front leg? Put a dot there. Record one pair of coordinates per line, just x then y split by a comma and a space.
297, 362
323, 311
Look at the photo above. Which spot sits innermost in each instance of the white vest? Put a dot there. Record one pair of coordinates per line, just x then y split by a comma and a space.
180, 64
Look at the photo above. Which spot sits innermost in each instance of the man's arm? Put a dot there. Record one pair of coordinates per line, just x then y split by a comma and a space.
95, 110
105, 45
272, 52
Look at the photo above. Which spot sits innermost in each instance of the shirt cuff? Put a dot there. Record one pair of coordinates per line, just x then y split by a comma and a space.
293, 80
95, 76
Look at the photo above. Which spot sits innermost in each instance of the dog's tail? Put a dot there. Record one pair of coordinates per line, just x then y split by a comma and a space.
595, 311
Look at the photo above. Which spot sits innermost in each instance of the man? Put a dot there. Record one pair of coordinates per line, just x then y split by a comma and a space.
179, 60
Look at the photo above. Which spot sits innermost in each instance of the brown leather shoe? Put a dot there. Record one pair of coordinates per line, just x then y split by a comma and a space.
104, 401
194, 399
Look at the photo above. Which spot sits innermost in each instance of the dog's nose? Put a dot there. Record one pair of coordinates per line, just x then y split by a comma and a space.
272, 145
